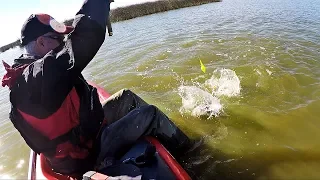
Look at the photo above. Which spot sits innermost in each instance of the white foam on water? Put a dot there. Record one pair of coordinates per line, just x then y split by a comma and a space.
198, 102
20, 163
262, 48
5, 176
203, 99
269, 72
256, 70
224, 82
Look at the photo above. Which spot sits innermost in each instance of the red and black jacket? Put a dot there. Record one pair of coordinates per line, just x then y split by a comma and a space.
53, 107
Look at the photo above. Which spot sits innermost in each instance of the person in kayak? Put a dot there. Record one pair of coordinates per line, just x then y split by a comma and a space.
59, 114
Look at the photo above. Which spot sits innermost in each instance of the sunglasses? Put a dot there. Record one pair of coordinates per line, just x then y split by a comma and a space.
55, 37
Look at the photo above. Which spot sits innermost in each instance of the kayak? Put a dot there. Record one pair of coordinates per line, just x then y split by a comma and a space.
162, 165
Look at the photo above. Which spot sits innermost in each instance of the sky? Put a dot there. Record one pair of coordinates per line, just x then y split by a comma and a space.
13, 13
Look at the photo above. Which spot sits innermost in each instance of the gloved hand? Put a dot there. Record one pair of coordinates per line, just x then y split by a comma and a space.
92, 175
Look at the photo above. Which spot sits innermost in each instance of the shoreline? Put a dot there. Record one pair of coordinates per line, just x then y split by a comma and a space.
134, 11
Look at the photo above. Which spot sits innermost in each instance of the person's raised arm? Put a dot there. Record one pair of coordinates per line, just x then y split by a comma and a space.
60, 66
89, 34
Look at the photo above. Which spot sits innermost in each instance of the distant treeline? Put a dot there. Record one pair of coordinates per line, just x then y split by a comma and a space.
9, 46
137, 10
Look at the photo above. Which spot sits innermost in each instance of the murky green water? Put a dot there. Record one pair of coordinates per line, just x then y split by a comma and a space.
261, 88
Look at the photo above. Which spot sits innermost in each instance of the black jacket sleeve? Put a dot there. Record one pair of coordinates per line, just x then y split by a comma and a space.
89, 34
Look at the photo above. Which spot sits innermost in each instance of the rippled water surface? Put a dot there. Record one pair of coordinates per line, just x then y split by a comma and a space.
257, 105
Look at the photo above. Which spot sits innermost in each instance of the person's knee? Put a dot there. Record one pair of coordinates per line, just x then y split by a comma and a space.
127, 91
122, 92
131, 97
151, 109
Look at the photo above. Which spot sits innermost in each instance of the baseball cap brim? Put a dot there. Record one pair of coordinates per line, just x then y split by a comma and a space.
54, 24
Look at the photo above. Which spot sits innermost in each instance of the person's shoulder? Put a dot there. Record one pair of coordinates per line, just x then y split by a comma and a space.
24, 59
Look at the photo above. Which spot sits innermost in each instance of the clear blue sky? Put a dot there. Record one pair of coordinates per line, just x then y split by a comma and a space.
13, 13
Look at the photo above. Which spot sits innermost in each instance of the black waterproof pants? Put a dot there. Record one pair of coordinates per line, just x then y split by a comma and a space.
130, 118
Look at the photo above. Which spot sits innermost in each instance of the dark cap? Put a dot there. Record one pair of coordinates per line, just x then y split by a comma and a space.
39, 24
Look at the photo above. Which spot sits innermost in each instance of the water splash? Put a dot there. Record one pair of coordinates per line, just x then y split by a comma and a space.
203, 99
224, 82
199, 102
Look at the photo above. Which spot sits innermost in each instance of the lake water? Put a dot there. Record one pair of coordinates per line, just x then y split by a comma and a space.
257, 105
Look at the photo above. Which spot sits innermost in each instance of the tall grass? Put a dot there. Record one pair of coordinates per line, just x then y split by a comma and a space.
137, 10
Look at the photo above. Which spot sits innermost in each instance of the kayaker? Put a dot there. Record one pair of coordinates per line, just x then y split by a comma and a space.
59, 114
